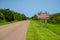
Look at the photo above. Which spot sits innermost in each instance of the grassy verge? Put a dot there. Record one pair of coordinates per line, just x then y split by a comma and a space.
3, 23
54, 27
35, 32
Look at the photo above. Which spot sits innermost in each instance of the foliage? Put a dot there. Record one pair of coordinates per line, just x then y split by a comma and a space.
2, 21
1, 16
55, 18
9, 15
34, 17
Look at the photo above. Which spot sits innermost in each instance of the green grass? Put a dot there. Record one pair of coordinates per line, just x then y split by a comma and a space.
54, 27
3, 22
35, 32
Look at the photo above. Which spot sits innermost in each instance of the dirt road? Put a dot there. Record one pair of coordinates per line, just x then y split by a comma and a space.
14, 31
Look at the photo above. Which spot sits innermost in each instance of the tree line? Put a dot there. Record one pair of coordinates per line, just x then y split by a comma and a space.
9, 15
54, 18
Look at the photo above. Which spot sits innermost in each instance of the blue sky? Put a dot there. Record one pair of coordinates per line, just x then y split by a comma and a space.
31, 7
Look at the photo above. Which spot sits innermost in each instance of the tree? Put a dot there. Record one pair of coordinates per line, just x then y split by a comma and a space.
10, 15
55, 18
1, 16
35, 17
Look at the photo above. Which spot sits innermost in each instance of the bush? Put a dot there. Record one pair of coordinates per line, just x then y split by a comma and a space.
55, 18
2, 21
34, 17
9, 15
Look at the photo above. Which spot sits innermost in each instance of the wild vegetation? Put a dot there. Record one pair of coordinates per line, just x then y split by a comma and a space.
51, 32
35, 32
54, 18
7, 15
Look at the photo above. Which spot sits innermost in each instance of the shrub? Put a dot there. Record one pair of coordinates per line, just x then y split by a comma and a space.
55, 18
2, 21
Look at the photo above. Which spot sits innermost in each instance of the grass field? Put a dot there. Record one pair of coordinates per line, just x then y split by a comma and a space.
35, 32
54, 27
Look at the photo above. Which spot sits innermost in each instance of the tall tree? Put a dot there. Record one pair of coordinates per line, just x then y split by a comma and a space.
35, 17
55, 18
